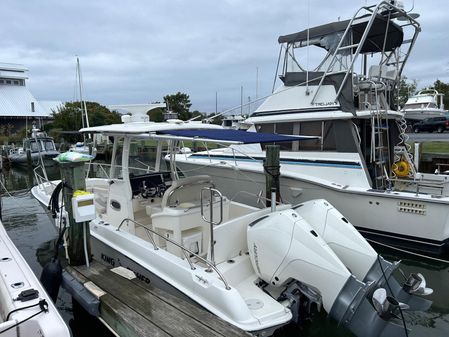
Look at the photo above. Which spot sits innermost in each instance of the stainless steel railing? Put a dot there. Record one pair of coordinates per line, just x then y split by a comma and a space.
187, 253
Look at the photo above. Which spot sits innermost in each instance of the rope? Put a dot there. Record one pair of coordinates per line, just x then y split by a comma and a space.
391, 292
44, 308
409, 252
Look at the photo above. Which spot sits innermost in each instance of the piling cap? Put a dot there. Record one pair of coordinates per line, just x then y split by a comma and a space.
78, 193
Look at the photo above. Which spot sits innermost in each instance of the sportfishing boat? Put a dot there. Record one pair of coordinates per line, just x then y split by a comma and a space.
25, 307
41, 148
182, 234
361, 161
425, 104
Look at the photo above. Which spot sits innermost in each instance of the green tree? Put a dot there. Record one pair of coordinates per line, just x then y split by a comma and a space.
406, 89
179, 103
68, 119
156, 115
443, 88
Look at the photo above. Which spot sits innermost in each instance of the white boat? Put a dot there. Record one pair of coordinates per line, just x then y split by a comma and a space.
83, 148
42, 149
25, 307
361, 163
182, 234
426, 103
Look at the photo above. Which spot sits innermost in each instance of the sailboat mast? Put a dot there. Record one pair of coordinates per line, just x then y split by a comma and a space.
84, 115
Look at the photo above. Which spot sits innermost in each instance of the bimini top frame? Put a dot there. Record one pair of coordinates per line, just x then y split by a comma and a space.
372, 29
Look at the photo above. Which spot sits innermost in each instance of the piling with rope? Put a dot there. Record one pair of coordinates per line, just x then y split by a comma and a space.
272, 172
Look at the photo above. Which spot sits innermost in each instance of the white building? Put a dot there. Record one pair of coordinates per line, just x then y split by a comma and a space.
18, 106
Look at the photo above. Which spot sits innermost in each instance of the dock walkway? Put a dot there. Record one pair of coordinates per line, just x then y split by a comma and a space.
135, 308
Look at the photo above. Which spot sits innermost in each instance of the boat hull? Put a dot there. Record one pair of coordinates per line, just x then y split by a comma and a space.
390, 217
47, 158
17, 276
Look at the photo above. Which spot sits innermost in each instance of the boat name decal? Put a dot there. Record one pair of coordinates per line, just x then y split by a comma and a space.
256, 258
324, 103
111, 261
108, 259
140, 276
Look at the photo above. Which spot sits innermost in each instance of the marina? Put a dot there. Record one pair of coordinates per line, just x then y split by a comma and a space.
318, 209
33, 233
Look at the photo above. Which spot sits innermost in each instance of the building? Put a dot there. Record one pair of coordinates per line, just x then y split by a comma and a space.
18, 106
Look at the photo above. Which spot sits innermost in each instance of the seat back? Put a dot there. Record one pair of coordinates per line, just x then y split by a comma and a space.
186, 190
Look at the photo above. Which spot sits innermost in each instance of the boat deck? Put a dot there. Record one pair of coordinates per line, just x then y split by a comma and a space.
135, 308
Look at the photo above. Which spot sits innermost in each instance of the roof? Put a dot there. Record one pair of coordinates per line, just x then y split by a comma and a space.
146, 127
135, 108
15, 100
374, 41
234, 136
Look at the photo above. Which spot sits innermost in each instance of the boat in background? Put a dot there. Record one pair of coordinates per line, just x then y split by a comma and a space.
25, 307
361, 162
83, 148
40, 146
426, 103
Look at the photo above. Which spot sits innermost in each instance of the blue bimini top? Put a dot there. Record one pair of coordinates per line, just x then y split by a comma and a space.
237, 136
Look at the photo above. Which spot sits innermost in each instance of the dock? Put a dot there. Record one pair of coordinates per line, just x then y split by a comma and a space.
135, 308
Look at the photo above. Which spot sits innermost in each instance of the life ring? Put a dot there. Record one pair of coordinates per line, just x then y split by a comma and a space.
401, 169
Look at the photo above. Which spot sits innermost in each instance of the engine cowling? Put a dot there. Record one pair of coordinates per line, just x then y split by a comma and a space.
283, 246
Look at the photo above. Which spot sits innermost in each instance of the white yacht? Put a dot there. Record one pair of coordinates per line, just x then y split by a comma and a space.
182, 234
361, 161
25, 307
425, 104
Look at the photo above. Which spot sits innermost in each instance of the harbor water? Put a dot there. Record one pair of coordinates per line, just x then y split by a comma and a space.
32, 231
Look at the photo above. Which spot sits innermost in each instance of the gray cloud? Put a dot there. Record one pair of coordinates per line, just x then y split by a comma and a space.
139, 51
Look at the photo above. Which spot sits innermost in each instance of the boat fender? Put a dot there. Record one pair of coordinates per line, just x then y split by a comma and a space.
401, 169
75, 288
51, 278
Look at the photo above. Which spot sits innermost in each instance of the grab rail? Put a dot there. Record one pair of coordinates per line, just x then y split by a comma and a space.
418, 184
185, 251
42, 181
213, 192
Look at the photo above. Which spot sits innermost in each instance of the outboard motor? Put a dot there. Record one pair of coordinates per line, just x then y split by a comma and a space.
285, 249
360, 257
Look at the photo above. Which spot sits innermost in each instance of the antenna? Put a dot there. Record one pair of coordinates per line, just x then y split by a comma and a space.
257, 83
241, 100
308, 47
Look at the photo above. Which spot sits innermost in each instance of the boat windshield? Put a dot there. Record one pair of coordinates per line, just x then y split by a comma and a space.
49, 145
35, 146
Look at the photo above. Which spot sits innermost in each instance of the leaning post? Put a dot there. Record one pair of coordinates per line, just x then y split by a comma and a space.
72, 174
272, 171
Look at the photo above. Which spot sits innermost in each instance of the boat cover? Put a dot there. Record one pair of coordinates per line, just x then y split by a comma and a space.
243, 137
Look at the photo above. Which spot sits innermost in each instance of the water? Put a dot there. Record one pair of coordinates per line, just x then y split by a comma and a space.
31, 230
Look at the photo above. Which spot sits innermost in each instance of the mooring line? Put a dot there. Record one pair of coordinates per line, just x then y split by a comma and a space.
408, 252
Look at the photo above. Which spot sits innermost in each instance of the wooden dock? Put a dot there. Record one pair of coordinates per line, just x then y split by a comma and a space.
134, 308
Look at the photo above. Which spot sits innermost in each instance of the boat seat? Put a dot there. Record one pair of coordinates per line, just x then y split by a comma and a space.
186, 191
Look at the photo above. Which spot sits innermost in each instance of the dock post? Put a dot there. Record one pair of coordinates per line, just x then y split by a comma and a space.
72, 173
416, 156
272, 171
29, 162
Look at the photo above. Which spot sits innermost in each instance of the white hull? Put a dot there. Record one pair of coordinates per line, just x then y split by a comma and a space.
420, 114
390, 215
16, 276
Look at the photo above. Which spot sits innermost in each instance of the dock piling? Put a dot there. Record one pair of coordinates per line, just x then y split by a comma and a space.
72, 174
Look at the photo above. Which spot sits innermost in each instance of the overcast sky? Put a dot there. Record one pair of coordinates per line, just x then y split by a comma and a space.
139, 51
